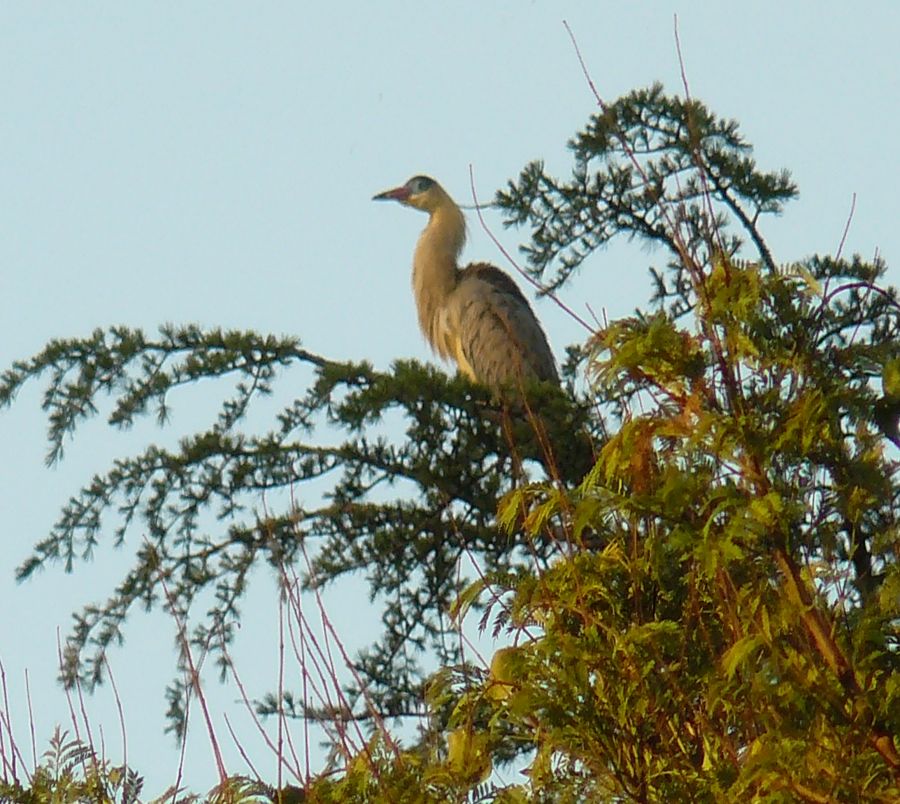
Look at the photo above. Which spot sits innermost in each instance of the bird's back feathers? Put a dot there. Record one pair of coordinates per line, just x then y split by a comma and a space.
499, 341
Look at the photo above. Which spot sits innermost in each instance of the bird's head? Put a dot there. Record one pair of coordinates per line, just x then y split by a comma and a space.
420, 192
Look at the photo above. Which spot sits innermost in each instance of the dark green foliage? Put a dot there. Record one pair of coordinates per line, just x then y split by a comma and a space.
709, 615
401, 512
653, 167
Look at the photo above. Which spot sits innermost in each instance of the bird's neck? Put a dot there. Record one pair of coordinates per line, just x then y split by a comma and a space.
435, 270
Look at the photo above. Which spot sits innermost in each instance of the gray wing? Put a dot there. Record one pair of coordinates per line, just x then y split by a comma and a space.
498, 334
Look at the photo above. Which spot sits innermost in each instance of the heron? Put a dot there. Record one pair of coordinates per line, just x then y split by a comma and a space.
476, 316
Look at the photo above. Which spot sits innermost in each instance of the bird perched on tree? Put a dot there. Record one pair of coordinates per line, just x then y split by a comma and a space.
476, 315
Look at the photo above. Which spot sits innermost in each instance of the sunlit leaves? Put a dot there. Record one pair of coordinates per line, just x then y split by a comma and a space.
746, 491
707, 613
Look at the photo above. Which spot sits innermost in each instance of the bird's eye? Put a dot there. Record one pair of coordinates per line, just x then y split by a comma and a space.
419, 184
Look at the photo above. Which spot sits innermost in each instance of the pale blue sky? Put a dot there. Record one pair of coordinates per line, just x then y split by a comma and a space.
214, 162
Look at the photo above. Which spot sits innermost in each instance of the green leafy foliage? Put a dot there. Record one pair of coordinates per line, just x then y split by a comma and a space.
71, 771
708, 614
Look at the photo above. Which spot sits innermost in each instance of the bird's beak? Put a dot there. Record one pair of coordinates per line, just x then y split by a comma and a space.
397, 194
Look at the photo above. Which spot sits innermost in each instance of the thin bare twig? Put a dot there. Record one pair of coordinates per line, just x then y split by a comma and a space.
248, 705
31, 720
840, 247
243, 753
587, 75
121, 711
194, 672
8, 763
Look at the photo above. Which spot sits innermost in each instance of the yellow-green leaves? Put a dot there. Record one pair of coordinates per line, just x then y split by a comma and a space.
805, 423
733, 289
655, 350
890, 380
505, 673
468, 757
740, 652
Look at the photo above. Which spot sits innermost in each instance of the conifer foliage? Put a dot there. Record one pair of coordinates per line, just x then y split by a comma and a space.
710, 614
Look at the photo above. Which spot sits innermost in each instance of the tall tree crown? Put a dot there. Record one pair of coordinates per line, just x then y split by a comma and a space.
709, 613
